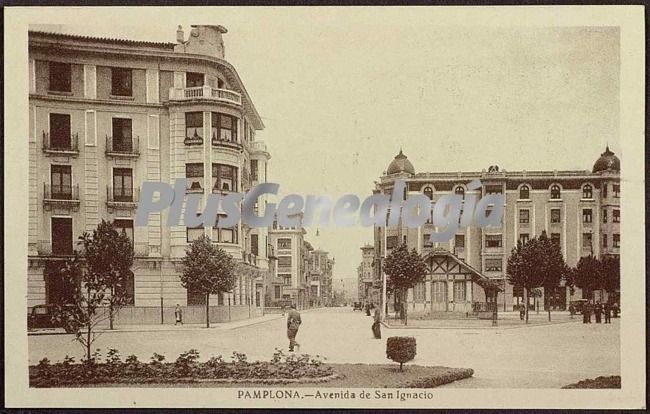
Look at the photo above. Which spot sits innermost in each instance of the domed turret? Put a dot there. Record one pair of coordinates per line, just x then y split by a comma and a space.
607, 162
400, 164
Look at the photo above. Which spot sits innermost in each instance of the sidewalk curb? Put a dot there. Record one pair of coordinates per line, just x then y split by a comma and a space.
478, 327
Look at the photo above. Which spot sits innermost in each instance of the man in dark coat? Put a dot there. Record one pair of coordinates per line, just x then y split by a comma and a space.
586, 312
608, 313
598, 312
293, 323
376, 326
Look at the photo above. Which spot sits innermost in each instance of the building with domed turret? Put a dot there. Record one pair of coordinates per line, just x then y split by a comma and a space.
578, 209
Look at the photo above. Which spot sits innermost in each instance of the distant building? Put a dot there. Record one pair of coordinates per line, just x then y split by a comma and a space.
369, 289
289, 282
578, 209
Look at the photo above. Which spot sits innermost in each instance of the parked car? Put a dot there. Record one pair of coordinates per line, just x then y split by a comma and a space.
42, 316
357, 306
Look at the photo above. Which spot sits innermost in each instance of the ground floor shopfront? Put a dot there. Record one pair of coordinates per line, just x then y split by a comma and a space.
153, 291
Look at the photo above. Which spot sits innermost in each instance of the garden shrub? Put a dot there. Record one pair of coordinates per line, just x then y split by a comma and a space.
401, 349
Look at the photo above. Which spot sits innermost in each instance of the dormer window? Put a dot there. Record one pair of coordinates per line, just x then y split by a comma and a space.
428, 191
524, 192
555, 192
460, 191
587, 191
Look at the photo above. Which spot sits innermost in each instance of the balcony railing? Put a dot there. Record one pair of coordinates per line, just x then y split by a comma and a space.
226, 143
258, 146
61, 145
205, 92
127, 147
122, 195
61, 192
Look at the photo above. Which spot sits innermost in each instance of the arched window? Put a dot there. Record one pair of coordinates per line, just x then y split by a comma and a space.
428, 191
587, 191
524, 192
460, 191
555, 191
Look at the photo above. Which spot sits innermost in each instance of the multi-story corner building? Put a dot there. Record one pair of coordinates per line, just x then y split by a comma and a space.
579, 210
105, 115
321, 270
290, 282
369, 292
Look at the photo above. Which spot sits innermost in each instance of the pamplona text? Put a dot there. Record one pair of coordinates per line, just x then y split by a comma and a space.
450, 211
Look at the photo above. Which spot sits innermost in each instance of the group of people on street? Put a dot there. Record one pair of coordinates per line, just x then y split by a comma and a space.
599, 310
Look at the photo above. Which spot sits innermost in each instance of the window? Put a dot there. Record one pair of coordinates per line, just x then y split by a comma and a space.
493, 240
493, 189
524, 237
224, 177
604, 190
121, 82
616, 240
61, 180
194, 233
193, 79
586, 240
616, 216
193, 128
286, 279
439, 290
604, 215
555, 238
459, 240
61, 236
255, 244
587, 191
122, 135
459, 291
128, 289
426, 240
284, 260
586, 215
556, 216
60, 77
493, 265
224, 127
122, 184
194, 175
254, 170
555, 192
226, 234
418, 292
428, 191
60, 135
460, 191
284, 243
391, 242
277, 292
524, 192
524, 216
616, 188
195, 298
604, 240
124, 225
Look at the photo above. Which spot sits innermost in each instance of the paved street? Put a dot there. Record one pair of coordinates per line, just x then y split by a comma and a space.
547, 356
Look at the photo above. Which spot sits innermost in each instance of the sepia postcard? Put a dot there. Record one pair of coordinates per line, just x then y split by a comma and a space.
310, 207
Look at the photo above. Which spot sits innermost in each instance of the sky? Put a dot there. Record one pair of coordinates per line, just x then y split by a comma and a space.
341, 93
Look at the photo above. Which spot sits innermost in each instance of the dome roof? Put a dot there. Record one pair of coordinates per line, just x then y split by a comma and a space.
607, 161
400, 164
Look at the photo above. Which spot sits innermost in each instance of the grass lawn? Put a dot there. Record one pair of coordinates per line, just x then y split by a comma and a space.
352, 376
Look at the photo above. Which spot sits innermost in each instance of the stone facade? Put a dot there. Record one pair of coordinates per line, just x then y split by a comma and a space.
106, 115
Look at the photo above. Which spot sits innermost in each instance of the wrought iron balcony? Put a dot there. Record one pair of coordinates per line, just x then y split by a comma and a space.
61, 193
205, 92
125, 197
123, 147
61, 145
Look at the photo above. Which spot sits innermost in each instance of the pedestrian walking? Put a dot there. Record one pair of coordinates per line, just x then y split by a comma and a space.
598, 312
572, 310
178, 314
376, 326
522, 312
293, 323
608, 313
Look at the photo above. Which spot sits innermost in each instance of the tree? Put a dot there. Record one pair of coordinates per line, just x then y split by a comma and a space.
103, 270
611, 275
208, 270
404, 269
588, 275
534, 264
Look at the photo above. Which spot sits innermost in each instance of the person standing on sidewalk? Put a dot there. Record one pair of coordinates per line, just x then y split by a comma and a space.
376, 326
598, 312
293, 323
608, 313
178, 313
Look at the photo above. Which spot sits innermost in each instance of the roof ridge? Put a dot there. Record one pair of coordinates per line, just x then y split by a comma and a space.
103, 39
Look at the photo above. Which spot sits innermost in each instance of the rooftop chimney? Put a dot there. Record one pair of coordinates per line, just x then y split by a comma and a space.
203, 40
180, 36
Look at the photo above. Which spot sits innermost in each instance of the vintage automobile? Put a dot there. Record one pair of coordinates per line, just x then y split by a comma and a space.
357, 306
42, 316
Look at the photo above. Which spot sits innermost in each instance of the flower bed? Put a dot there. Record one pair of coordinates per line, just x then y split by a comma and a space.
186, 369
